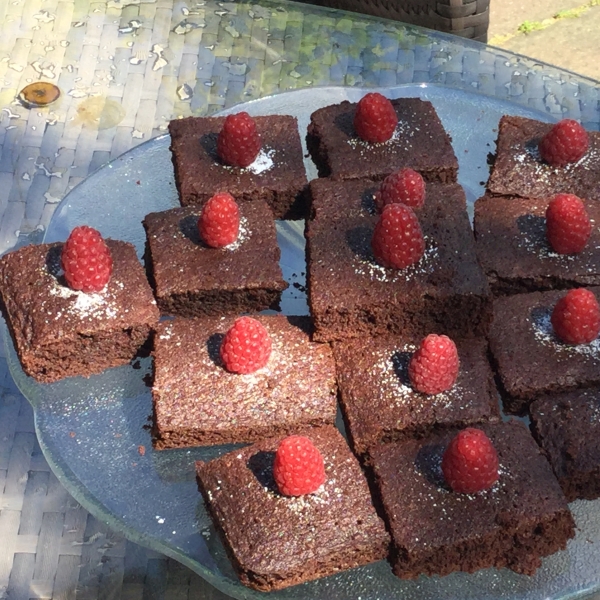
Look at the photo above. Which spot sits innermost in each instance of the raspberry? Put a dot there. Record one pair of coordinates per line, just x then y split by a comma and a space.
565, 143
433, 368
568, 226
470, 463
404, 187
86, 260
238, 143
397, 240
219, 222
298, 468
576, 317
375, 119
246, 346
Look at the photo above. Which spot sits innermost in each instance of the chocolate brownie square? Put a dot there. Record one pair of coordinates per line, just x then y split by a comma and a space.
419, 142
379, 404
275, 541
518, 169
190, 279
351, 295
198, 403
514, 252
435, 531
530, 360
277, 176
567, 427
59, 332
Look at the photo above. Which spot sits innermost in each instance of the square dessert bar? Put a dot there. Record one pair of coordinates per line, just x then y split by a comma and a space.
275, 541
530, 360
277, 176
514, 252
379, 404
567, 427
59, 332
198, 403
351, 295
436, 531
419, 142
518, 169
190, 279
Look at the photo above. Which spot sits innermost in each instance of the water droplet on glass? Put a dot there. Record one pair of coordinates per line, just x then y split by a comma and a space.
185, 92
40, 93
44, 17
131, 27
159, 64
75, 93
100, 112
185, 27
50, 199
232, 31
10, 114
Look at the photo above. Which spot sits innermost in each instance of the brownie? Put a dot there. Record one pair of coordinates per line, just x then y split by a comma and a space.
379, 404
514, 252
518, 169
59, 332
277, 176
275, 541
567, 427
198, 403
190, 279
529, 358
351, 295
435, 531
419, 142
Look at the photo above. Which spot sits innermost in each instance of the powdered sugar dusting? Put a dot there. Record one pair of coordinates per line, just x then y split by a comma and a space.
544, 334
367, 266
430, 468
401, 133
243, 235
529, 156
391, 370
86, 304
533, 238
263, 162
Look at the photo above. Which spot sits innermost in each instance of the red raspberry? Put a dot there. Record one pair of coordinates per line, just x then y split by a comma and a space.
375, 119
246, 346
219, 222
576, 317
433, 368
470, 463
568, 226
298, 468
86, 260
404, 187
565, 143
398, 240
238, 143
